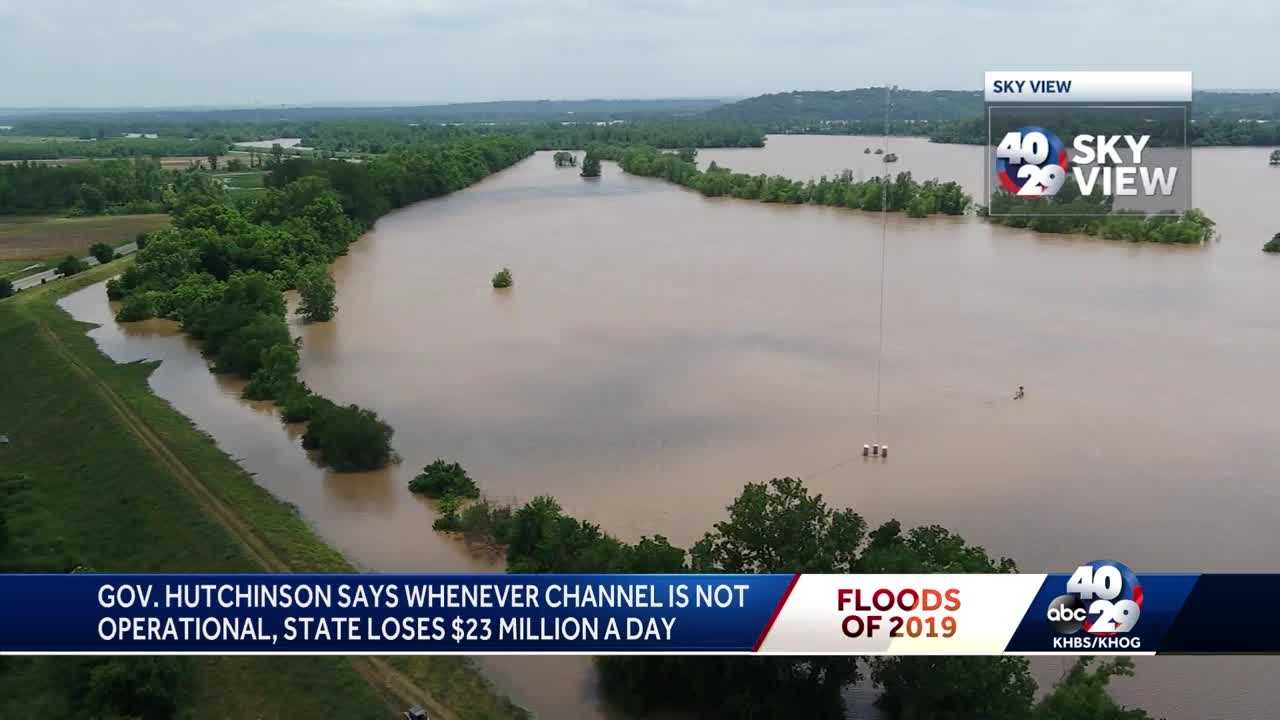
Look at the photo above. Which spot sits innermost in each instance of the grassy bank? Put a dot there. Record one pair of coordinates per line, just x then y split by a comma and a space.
102, 473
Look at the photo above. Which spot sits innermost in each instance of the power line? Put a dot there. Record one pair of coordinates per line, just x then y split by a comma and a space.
884, 233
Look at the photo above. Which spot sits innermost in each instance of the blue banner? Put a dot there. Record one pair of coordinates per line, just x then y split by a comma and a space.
379, 613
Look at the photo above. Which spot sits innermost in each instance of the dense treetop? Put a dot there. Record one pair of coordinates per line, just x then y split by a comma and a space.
88, 188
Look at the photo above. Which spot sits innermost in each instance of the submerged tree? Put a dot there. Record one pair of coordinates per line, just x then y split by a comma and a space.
502, 279
1273, 245
565, 158
590, 166
316, 287
350, 439
444, 479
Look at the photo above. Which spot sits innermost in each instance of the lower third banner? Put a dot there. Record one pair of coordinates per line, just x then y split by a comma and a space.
1101, 607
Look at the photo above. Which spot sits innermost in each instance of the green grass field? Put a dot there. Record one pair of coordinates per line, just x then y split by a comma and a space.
16, 268
105, 475
242, 180
46, 238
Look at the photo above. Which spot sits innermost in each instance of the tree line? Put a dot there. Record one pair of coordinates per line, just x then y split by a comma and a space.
903, 193
53, 149
1073, 213
221, 269
373, 136
87, 188
1093, 215
780, 527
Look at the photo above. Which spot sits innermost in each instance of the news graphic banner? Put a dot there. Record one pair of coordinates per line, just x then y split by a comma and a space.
1101, 607
1087, 143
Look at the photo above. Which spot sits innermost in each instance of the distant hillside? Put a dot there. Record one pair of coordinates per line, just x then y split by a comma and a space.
805, 107
496, 111
1236, 105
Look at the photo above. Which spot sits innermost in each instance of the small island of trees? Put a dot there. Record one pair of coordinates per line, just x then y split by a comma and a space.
564, 158
502, 279
440, 479
1273, 245
590, 166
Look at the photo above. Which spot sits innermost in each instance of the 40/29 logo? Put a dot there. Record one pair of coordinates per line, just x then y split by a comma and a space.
1031, 162
1102, 598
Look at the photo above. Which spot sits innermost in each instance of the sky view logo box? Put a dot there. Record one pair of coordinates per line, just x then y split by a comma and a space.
1087, 143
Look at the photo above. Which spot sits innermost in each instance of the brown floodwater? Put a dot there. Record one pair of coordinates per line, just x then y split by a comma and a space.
660, 349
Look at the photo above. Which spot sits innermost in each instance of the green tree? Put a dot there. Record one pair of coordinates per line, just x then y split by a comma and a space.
502, 279
246, 347
102, 252
70, 265
138, 306
1273, 245
317, 289
441, 479
6, 287
1082, 693
780, 527
92, 199
590, 166
134, 687
350, 438
276, 375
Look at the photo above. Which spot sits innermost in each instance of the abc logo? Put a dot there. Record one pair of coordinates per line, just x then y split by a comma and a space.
1067, 614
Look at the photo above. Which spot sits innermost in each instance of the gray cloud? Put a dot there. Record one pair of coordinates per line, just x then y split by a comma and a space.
160, 52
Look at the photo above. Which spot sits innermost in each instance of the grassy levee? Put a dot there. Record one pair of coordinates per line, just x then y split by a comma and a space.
102, 473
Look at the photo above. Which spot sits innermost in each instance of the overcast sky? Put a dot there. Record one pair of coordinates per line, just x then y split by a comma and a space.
256, 52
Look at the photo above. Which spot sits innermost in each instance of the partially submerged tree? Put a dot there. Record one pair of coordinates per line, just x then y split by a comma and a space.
350, 438
316, 287
502, 279
443, 479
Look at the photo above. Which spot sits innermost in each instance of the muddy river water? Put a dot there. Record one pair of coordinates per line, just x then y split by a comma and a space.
660, 349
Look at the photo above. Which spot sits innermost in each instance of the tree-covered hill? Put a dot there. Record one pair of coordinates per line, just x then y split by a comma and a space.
1218, 117
802, 107
860, 105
